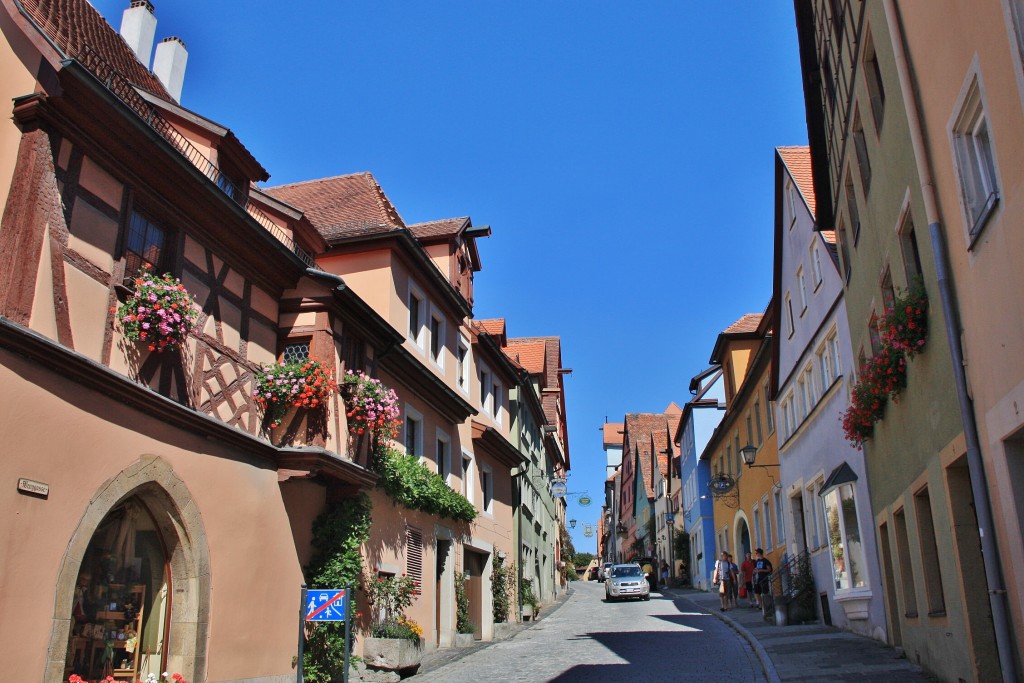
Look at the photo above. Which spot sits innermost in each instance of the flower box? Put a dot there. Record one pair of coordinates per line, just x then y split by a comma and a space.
393, 654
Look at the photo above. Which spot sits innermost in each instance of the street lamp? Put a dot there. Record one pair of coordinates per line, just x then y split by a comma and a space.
572, 523
749, 455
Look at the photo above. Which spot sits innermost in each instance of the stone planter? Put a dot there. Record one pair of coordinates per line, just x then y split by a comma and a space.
393, 654
464, 640
527, 612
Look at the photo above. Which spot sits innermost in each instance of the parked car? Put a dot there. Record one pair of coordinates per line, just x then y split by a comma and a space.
626, 581
593, 573
605, 569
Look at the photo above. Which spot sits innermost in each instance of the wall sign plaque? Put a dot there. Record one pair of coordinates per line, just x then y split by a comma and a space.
33, 488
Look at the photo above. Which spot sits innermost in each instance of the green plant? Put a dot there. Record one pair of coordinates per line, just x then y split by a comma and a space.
302, 384
905, 325
338, 533
160, 312
388, 597
411, 484
569, 572
463, 624
582, 559
526, 594
501, 589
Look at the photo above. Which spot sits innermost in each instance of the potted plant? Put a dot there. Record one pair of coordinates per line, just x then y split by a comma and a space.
370, 406
527, 598
394, 643
300, 384
159, 312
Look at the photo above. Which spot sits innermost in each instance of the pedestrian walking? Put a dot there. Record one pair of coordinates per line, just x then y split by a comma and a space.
664, 573
734, 585
747, 579
722, 579
762, 576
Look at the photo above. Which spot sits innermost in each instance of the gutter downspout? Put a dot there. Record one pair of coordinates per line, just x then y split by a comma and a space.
975, 467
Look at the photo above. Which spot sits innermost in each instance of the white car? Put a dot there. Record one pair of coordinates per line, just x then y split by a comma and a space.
606, 569
626, 581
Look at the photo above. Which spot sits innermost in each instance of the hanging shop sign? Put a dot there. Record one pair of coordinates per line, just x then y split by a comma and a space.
721, 484
584, 501
558, 488
588, 532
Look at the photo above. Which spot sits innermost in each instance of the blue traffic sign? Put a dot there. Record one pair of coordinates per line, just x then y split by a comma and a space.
326, 605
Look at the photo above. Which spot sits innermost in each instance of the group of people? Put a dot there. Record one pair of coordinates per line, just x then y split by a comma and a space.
750, 580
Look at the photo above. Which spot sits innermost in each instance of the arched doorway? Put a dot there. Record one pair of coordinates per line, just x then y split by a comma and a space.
170, 557
742, 539
121, 605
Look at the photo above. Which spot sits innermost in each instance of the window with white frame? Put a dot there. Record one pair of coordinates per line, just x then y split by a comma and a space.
849, 564
809, 384
801, 280
787, 419
801, 399
443, 456
860, 146
417, 315
766, 516
413, 437
498, 401
790, 327
837, 360
437, 335
462, 365
487, 487
768, 408
825, 372
757, 422
780, 525
486, 390
816, 263
975, 160
468, 490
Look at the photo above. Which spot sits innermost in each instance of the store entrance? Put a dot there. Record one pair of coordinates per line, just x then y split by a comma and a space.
120, 610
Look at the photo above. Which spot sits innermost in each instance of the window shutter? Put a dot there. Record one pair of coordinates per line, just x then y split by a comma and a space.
414, 554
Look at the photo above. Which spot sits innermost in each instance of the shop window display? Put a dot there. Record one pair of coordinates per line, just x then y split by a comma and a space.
119, 612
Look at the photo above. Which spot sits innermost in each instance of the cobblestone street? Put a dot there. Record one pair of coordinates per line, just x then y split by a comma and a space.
587, 639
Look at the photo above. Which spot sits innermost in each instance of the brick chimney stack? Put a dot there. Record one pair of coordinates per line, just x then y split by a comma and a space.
169, 65
138, 28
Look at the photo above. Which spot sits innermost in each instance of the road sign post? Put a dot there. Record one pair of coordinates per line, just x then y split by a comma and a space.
320, 605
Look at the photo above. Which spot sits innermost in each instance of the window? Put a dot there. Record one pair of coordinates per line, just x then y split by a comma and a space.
498, 402
789, 315
860, 145
413, 431
802, 282
837, 366
929, 553
845, 546
462, 365
750, 429
875, 335
888, 293
801, 397
791, 201
757, 527
766, 516
757, 422
416, 318
295, 351
825, 370
437, 340
780, 527
873, 80
844, 249
851, 207
145, 245
414, 554
468, 490
443, 456
486, 391
769, 418
787, 419
815, 536
487, 486
908, 246
975, 161
736, 452
816, 264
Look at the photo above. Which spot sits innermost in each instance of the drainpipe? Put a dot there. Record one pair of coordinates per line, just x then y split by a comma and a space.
975, 467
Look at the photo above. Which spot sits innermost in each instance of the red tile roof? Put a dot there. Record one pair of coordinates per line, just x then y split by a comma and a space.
75, 24
342, 206
528, 353
641, 428
613, 433
747, 324
798, 162
446, 227
494, 326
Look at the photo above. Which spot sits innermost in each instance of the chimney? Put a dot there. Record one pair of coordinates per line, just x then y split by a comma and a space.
138, 28
169, 65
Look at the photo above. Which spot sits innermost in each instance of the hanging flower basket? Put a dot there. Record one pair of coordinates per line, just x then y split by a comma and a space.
301, 384
160, 312
370, 406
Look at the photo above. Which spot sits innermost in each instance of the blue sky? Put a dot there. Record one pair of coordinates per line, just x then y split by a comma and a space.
621, 152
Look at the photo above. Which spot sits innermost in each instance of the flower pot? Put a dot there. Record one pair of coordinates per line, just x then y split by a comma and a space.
393, 654
464, 640
527, 612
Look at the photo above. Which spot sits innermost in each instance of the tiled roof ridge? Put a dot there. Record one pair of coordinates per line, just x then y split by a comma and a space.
388, 213
792, 156
748, 322
452, 219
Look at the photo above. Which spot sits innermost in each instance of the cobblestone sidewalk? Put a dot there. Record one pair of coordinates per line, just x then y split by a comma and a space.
809, 653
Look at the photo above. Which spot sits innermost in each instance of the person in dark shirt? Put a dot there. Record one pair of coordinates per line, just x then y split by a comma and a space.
762, 575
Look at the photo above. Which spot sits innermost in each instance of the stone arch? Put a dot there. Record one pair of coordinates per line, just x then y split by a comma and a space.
154, 482
740, 523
